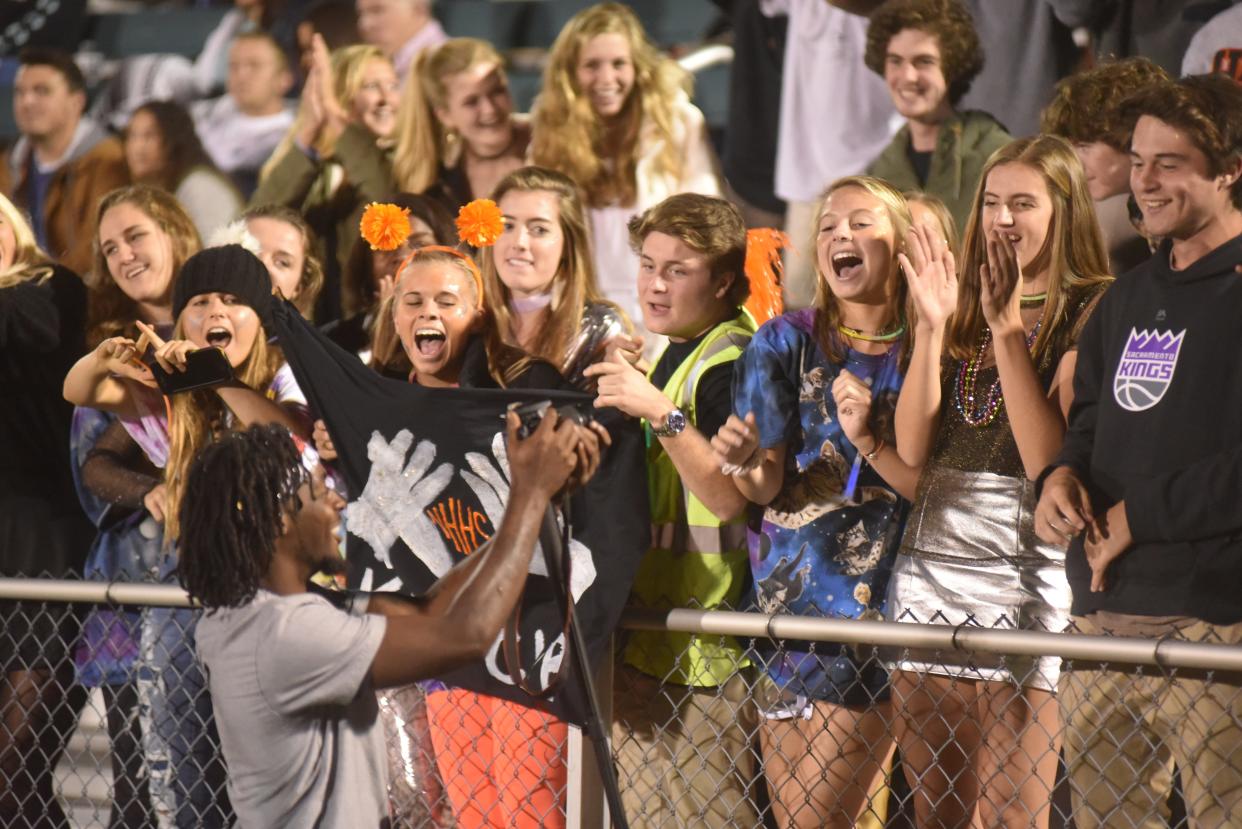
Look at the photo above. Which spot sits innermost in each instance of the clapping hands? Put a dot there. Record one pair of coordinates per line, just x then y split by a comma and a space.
931, 273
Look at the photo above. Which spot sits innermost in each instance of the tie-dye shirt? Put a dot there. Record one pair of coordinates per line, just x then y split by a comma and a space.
813, 552
150, 429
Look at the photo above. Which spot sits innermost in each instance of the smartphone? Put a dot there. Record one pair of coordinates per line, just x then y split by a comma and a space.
204, 367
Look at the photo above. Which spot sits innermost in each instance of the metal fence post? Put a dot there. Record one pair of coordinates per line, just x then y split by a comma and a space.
585, 804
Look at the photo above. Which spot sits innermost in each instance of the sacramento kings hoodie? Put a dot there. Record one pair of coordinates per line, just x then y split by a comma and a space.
1157, 422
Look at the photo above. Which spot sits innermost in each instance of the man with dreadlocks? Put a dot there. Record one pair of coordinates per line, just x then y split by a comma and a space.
291, 675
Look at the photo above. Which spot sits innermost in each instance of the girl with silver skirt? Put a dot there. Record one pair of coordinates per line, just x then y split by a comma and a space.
983, 411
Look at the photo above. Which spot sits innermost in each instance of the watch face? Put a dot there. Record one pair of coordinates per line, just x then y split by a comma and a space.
674, 423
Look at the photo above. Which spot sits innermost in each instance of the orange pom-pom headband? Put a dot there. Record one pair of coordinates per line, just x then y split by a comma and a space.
479, 223
385, 226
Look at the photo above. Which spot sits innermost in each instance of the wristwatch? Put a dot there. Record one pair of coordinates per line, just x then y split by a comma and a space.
674, 424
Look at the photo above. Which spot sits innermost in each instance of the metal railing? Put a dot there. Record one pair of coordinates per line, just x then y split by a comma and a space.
752, 751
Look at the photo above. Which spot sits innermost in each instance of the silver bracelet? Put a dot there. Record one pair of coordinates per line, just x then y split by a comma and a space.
749, 464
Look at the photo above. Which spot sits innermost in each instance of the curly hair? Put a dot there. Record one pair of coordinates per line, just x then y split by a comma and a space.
237, 493
712, 226
110, 312
567, 135
961, 54
574, 285
1085, 107
1208, 108
1074, 252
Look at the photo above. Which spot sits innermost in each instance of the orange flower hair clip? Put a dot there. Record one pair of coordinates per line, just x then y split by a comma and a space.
385, 226
763, 271
480, 223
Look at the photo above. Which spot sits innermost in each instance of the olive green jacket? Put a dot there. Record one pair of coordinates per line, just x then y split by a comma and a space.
965, 142
331, 193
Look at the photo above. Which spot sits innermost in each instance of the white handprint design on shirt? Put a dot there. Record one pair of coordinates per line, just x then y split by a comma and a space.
393, 503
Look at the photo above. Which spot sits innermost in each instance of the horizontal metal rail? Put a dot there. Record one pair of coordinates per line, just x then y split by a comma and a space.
95, 592
1165, 653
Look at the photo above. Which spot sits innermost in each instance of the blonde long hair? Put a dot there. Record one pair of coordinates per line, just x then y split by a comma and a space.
568, 136
573, 286
505, 362
422, 142
196, 417
348, 62
30, 262
828, 319
1073, 253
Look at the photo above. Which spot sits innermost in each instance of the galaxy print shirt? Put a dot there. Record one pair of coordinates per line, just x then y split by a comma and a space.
814, 552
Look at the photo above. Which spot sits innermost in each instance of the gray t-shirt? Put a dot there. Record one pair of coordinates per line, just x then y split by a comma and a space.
298, 719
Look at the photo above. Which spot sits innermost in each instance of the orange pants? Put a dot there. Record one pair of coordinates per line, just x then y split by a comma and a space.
502, 764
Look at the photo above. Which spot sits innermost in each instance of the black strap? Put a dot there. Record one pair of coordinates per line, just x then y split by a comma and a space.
559, 567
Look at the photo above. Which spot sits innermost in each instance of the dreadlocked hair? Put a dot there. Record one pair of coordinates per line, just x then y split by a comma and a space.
199, 416
237, 492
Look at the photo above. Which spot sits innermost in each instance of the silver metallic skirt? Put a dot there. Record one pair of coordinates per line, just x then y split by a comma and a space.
970, 556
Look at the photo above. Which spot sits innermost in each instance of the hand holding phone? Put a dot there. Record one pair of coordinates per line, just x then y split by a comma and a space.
180, 366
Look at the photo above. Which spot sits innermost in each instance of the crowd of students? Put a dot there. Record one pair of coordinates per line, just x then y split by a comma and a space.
1009, 403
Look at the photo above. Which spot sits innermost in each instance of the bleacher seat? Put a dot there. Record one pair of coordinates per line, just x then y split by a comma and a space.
499, 23
667, 22
711, 94
175, 31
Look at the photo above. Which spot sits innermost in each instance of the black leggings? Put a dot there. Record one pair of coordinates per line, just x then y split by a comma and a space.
38, 712
131, 797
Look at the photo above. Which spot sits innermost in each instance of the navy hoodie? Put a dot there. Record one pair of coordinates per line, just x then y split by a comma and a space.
1157, 422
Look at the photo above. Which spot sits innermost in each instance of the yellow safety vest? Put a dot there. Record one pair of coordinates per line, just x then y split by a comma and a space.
696, 560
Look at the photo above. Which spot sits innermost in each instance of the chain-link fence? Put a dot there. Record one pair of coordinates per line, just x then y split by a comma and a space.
106, 722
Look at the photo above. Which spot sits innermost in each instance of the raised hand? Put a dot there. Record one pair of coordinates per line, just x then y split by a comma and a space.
624, 387
853, 398
171, 354
335, 117
931, 273
490, 482
311, 112
545, 459
737, 441
120, 356
631, 348
1000, 286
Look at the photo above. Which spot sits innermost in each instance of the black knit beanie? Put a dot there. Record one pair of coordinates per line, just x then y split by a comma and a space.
228, 269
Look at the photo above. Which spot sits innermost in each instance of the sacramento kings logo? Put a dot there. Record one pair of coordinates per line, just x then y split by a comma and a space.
1146, 368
